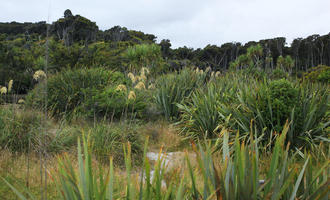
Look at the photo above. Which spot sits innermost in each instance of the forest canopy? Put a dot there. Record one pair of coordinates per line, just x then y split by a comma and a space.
75, 41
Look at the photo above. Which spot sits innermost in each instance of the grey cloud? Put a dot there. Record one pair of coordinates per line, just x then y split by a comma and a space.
193, 23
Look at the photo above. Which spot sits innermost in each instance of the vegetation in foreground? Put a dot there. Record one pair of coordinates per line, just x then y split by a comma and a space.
254, 125
205, 108
232, 173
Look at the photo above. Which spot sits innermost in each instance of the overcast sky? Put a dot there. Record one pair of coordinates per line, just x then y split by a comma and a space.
193, 23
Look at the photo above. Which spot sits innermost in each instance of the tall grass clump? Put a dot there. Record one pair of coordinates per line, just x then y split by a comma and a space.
22, 130
176, 88
107, 141
19, 131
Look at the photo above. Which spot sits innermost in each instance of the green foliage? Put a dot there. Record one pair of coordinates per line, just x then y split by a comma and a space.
241, 62
269, 105
144, 55
108, 140
278, 73
175, 88
112, 103
74, 41
310, 119
67, 90
16, 63
285, 63
84, 184
239, 178
19, 130
251, 60
240, 174
254, 53
74, 29
203, 115
324, 77
320, 73
236, 100
283, 99
23, 131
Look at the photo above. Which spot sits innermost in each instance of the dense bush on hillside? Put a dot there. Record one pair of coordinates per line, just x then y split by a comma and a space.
75, 41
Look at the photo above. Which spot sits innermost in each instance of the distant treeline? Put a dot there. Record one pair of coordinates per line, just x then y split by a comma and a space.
75, 41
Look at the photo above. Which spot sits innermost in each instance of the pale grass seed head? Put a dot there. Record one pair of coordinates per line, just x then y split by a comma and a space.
137, 78
10, 85
3, 90
142, 77
140, 86
121, 87
132, 77
144, 71
131, 95
39, 75
151, 86
21, 101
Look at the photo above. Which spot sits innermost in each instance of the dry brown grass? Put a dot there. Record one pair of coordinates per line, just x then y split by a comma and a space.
162, 134
23, 171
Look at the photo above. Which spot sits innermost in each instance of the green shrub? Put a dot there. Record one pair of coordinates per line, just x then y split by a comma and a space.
319, 73
67, 90
236, 101
283, 99
324, 76
278, 73
211, 107
176, 88
113, 103
145, 55
269, 105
